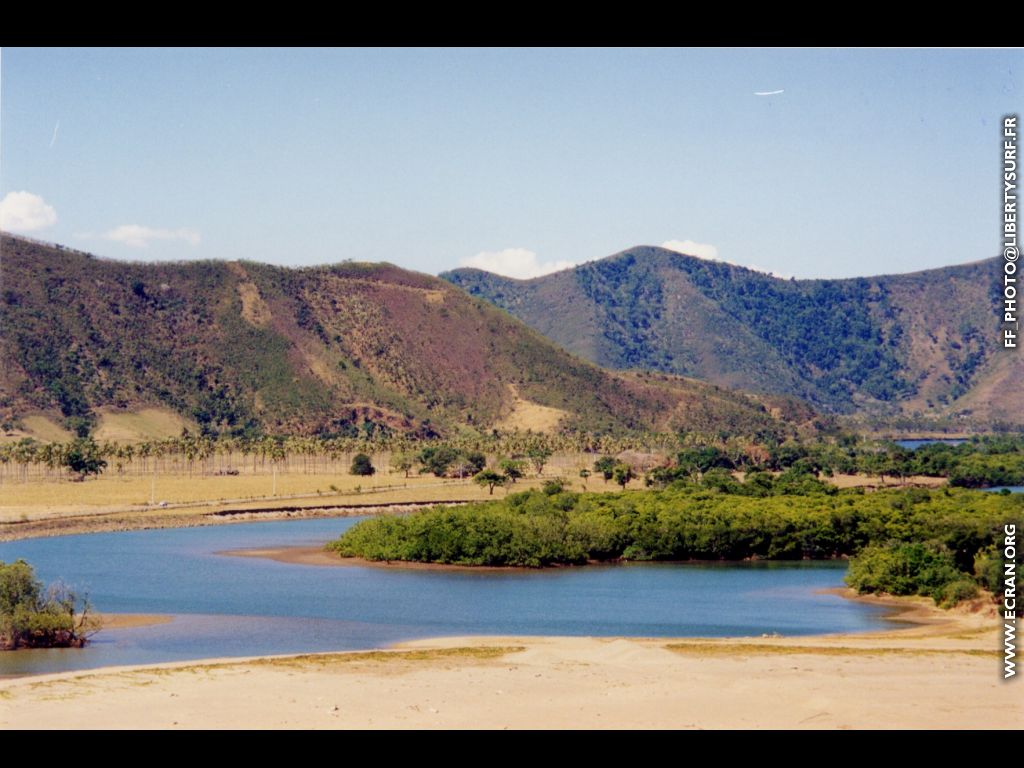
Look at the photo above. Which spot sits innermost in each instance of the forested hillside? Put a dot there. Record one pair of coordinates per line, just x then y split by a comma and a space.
921, 345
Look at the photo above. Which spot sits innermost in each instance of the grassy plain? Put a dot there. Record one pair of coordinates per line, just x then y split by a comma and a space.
172, 496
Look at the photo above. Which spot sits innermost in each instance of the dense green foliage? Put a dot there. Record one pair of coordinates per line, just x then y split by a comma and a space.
982, 470
622, 474
979, 462
437, 460
911, 569
825, 329
538, 529
988, 569
33, 616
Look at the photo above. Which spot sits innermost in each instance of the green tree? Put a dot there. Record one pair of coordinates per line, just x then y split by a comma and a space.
490, 479
881, 464
538, 456
83, 457
623, 473
904, 569
606, 466
362, 465
403, 462
512, 469
475, 461
437, 459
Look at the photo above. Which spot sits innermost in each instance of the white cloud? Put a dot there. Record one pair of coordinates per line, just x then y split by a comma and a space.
25, 212
514, 262
690, 248
138, 236
710, 253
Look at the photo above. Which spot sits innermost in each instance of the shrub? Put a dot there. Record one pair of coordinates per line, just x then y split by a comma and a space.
34, 616
904, 569
551, 487
988, 570
362, 465
542, 527
957, 591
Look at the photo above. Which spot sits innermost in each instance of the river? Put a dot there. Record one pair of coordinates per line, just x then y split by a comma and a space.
240, 606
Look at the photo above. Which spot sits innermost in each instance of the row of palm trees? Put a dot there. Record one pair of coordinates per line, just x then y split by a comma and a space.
204, 455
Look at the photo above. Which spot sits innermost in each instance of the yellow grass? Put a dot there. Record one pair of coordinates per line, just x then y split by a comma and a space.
530, 416
146, 424
41, 428
853, 481
39, 499
759, 649
424, 655
254, 309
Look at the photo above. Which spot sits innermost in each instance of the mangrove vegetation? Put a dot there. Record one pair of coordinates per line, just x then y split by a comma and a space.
908, 541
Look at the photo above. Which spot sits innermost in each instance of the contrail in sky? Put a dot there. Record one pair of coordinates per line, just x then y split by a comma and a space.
768, 93
54, 139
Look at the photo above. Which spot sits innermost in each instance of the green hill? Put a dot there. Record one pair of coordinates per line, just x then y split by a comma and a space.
344, 349
919, 346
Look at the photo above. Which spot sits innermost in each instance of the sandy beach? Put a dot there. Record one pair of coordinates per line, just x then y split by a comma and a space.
321, 556
943, 671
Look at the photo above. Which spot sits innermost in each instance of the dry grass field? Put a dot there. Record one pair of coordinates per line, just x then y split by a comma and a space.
167, 494
40, 427
147, 424
530, 417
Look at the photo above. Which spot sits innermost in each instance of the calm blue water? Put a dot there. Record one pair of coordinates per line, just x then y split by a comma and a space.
1010, 488
234, 606
915, 444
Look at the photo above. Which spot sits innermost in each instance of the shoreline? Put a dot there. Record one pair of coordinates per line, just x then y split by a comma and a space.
321, 557
156, 519
939, 675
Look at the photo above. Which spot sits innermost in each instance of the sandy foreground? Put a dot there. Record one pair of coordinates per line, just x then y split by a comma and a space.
943, 671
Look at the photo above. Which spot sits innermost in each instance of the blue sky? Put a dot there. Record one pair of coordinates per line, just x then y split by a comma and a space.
868, 162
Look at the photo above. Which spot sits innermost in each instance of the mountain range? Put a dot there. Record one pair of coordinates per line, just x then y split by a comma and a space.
920, 348
348, 349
